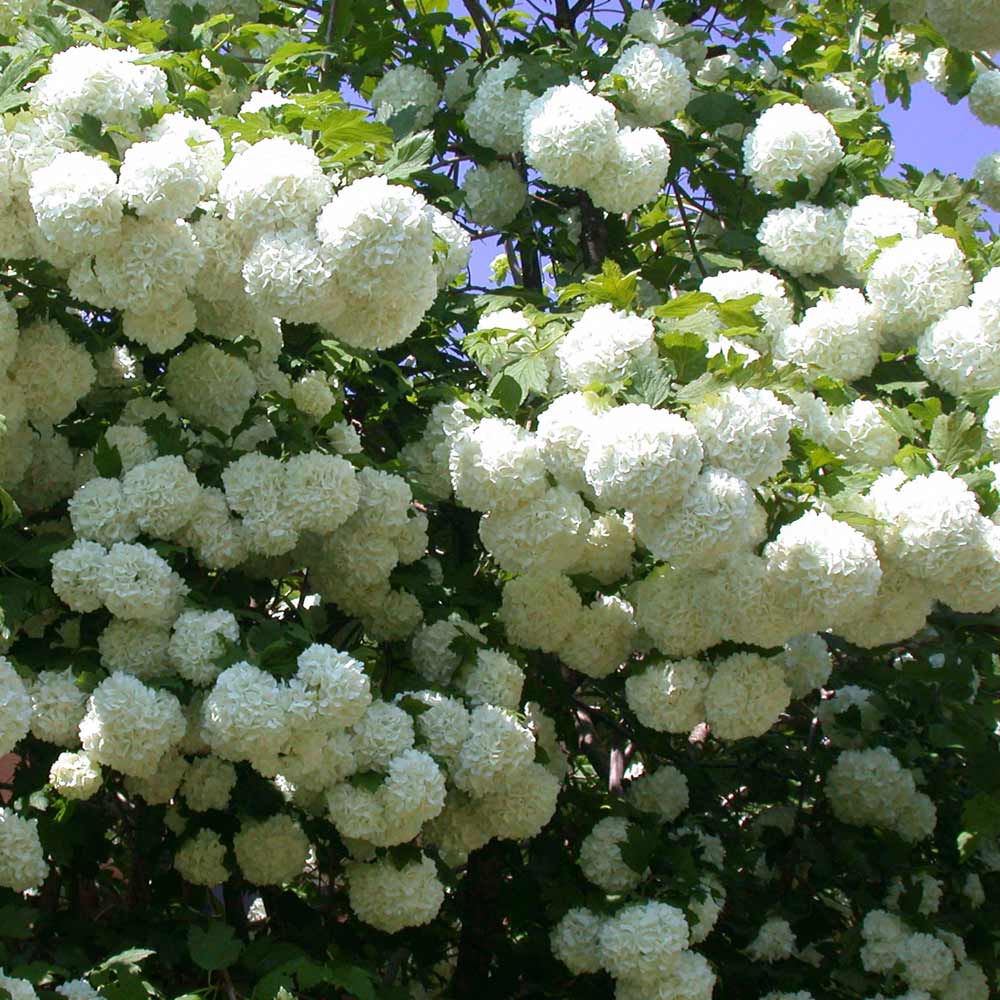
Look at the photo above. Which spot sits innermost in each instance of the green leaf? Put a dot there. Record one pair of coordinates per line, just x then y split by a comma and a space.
740, 312
107, 459
130, 959
714, 110
409, 156
639, 847
612, 285
688, 354
10, 513
955, 439
346, 126
531, 374
685, 304
648, 383
216, 947
353, 979
91, 133
913, 461
506, 391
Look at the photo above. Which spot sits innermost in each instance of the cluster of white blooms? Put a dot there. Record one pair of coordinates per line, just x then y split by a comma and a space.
966, 24
572, 138
22, 860
775, 941
658, 86
57, 706
790, 141
772, 308
871, 788
201, 859
916, 282
15, 707
599, 346
404, 88
494, 194
663, 792
644, 946
805, 239
271, 851
391, 897
75, 775
494, 116
839, 337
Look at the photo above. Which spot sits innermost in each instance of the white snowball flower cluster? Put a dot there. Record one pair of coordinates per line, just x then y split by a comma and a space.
839, 337
131, 727
164, 178
51, 371
201, 859
600, 856
600, 345
641, 458
663, 792
131, 581
876, 218
374, 233
805, 239
916, 282
77, 202
15, 707
494, 194
197, 640
774, 941
790, 141
719, 516
966, 24
745, 696
403, 88
75, 775
22, 860
207, 783
575, 941
271, 851
109, 84
390, 898
984, 97
959, 351
495, 113
57, 706
807, 663
657, 81
571, 137
871, 788
744, 431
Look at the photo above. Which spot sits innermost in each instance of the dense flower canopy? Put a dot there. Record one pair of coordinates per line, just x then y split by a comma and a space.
623, 624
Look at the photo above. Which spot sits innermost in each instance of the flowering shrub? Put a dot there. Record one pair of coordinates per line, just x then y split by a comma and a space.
623, 626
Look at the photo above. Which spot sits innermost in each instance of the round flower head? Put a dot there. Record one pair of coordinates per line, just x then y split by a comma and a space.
635, 172
98, 511
495, 464
540, 610
135, 583
494, 679
872, 219
161, 495
745, 432
107, 83
274, 182
163, 178
600, 856
658, 84
569, 135
745, 696
601, 639
198, 639
805, 239
961, 352
601, 344
204, 142
131, 727
984, 97
642, 458
403, 88
285, 273
807, 664
663, 792
640, 940
22, 859
494, 194
607, 555
76, 201
575, 941
966, 24
987, 172
201, 860
271, 851
389, 897
495, 114
916, 282
545, 534
497, 744
52, 372
15, 707
134, 647
718, 516
209, 386
788, 142
76, 573
57, 706
672, 607
669, 698
75, 775
839, 337
825, 95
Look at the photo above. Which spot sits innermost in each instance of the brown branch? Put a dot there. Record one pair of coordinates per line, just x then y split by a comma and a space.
593, 232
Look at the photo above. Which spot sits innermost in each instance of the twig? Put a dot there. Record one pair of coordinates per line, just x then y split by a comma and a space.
675, 187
